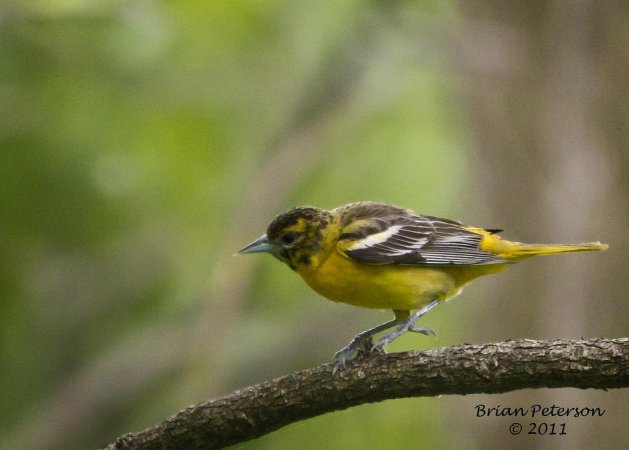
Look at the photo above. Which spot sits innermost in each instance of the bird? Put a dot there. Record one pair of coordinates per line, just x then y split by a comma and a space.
382, 256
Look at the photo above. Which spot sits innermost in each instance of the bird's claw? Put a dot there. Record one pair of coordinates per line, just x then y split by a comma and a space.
355, 348
362, 344
387, 338
422, 330
342, 357
390, 337
378, 347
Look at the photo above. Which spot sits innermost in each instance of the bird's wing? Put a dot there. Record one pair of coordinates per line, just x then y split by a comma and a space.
409, 239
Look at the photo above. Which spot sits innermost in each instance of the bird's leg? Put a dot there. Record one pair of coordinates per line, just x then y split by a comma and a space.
348, 352
351, 350
407, 325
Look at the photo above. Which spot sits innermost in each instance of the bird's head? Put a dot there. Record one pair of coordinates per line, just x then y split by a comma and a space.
294, 237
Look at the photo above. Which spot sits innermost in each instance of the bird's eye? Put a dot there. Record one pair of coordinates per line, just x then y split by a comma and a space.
288, 238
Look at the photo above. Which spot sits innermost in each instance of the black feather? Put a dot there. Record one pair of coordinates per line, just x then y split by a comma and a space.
419, 240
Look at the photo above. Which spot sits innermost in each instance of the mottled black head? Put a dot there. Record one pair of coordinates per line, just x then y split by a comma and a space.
294, 221
297, 232
294, 236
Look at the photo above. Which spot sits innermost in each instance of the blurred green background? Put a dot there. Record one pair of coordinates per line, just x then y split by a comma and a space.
142, 143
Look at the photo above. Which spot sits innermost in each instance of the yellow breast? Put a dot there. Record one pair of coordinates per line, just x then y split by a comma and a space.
379, 286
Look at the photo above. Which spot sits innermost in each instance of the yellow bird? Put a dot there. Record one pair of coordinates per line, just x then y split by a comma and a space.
381, 256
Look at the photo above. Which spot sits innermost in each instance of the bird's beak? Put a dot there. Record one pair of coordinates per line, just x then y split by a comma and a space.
260, 245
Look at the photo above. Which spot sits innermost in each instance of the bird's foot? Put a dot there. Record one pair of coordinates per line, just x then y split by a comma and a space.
357, 347
422, 330
399, 331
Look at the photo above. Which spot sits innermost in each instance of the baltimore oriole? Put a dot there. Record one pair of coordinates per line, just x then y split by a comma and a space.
382, 256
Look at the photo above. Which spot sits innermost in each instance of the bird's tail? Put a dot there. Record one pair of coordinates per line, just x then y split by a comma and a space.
519, 250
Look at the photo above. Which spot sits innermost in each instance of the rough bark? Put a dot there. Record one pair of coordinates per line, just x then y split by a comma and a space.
467, 369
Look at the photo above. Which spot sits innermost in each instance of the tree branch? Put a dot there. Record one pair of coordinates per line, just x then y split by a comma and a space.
467, 369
